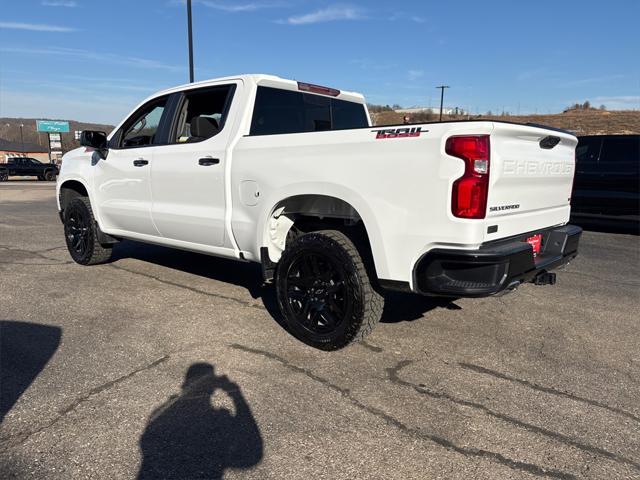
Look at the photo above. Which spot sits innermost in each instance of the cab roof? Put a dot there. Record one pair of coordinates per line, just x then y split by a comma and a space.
258, 79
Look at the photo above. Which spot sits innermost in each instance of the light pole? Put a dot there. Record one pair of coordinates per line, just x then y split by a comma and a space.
190, 41
21, 137
442, 87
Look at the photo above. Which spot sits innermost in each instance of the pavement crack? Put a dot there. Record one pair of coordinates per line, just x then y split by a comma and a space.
191, 289
393, 374
37, 254
552, 391
411, 431
369, 346
23, 437
35, 264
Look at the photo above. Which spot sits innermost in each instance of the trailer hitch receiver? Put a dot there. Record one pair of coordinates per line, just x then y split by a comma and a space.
545, 278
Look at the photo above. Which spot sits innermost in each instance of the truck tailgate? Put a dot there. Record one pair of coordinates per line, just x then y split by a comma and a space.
530, 179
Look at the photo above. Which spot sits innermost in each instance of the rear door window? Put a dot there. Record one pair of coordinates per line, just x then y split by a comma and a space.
279, 111
203, 113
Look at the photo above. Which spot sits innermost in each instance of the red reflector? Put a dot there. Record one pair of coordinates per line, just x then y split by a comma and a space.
309, 87
469, 196
536, 243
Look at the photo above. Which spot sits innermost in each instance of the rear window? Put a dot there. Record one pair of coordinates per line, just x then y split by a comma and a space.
281, 111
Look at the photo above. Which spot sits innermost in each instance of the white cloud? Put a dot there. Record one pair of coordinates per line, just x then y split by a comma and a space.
405, 16
230, 7
59, 3
621, 102
35, 27
531, 74
592, 80
415, 74
99, 109
367, 64
330, 14
88, 55
242, 7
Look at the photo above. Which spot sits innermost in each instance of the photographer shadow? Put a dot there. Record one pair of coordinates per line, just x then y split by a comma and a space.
188, 437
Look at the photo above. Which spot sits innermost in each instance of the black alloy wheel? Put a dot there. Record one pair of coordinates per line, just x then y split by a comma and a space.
77, 229
316, 292
81, 234
324, 291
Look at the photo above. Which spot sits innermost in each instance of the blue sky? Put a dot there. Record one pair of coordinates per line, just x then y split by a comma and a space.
93, 60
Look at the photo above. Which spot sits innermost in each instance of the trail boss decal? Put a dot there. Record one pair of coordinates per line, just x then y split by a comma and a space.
404, 132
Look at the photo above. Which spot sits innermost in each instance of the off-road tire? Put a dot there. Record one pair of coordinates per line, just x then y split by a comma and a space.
362, 305
81, 234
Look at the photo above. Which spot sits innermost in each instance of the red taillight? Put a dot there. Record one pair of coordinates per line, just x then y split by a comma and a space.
309, 87
469, 197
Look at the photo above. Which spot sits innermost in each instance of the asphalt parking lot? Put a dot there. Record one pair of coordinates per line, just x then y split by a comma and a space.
168, 364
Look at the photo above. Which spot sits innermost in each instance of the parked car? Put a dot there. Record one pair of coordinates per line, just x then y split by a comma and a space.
607, 181
28, 167
293, 176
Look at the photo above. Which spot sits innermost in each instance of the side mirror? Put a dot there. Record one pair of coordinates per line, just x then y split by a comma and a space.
93, 139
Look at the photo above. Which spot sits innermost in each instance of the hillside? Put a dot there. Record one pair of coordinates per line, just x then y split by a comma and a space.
581, 122
10, 130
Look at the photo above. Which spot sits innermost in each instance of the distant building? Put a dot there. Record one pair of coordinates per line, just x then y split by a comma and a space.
17, 149
445, 110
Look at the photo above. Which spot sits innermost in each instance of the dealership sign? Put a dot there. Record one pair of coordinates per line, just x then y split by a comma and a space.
50, 126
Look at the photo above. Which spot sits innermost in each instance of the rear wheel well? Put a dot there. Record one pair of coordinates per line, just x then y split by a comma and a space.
302, 214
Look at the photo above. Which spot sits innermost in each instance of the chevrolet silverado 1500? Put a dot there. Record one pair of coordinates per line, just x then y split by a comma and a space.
293, 175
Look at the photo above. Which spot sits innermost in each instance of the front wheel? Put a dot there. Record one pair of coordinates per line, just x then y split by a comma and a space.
324, 291
49, 175
4, 176
81, 234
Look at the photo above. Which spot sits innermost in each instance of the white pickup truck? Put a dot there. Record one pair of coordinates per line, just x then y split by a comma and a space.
293, 175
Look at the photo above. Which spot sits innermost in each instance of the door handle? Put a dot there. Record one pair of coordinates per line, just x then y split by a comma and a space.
206, 161
140, 162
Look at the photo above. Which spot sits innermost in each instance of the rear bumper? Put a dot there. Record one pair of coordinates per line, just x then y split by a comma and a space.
495, 266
